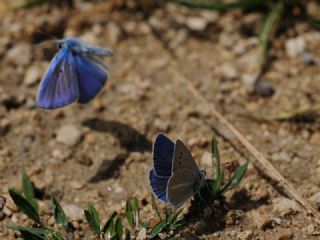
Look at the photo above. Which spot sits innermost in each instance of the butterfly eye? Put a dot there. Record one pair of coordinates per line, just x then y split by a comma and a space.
60, 45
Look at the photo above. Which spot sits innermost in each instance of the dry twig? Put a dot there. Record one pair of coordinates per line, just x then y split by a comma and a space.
258, 157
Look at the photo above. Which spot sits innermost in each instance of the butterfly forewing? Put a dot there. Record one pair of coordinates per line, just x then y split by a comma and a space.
182, 158
59, 86
163, 150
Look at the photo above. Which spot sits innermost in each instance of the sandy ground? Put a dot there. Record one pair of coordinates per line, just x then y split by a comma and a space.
101, 152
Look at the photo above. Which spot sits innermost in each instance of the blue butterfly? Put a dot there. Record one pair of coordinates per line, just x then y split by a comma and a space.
175, 176
74, 74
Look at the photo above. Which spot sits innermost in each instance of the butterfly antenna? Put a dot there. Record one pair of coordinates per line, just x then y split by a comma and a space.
53, 38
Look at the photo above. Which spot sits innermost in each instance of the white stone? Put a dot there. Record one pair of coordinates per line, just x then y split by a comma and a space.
295, 46
196, 23
69, 135
33, 75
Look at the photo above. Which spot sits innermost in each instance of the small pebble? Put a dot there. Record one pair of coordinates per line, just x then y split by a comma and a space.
33, 75
73, 212
77, 185
69, 135
285, 206
196, 23
295, 46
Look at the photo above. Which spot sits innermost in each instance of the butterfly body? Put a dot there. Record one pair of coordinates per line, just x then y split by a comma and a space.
175, 176
75, 74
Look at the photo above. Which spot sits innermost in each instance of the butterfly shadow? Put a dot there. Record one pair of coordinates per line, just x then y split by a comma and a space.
129, 139
206, 220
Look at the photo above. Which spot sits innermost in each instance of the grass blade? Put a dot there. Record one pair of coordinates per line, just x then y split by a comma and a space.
268, 29
59, 214
28, 190
127, 234
216, 161
217, 5
107, 225
136, 211
93, 219
174, 217
155, 207
158, 228
28, 233
119, 228
24, 205
237, 177
129, 214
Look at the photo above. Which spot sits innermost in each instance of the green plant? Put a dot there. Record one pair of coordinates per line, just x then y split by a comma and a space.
28, 205
168, 219
215, 188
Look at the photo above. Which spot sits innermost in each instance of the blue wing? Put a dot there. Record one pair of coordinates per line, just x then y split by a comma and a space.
159, 186
59, 86
163, 150
92, 78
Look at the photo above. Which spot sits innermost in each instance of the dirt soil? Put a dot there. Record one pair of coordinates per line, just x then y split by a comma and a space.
101, 152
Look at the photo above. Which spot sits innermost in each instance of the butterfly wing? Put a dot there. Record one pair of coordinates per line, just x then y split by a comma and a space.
182, 158
59, 86
159, 185
180, 186
92, 78
163, 149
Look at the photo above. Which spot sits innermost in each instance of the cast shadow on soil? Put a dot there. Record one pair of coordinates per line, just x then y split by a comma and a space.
129, 139
109, 168
221, 213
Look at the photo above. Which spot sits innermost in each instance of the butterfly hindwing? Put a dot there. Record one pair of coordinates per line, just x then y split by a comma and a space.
163, 149
180, 186
91, 76
59, 86
159, 185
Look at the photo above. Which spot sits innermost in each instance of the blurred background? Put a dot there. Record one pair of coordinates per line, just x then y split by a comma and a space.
256, 61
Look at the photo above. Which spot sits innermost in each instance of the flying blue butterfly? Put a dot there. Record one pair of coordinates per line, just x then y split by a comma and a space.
175, 176
74, 74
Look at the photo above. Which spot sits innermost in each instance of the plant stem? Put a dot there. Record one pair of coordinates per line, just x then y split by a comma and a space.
216, 5
267, 31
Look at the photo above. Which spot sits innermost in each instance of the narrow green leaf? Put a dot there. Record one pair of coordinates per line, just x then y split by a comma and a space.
136, 211
158, 228
129, 214
155, 207
168, 213
59, 214
28, 190
217, 5
127, 234
119, 228
216, 162
29, 4
112, 230
93, 219
24, 205
29, 233
107, 225
268, 29
237, 177
173, 217
176, 226
315, 22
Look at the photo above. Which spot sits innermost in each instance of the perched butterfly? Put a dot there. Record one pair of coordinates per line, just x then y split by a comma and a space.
74, 74
175, 176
